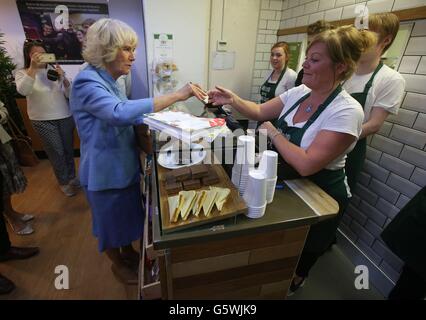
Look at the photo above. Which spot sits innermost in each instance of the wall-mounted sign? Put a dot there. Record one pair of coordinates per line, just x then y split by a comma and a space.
60, 25
163, 46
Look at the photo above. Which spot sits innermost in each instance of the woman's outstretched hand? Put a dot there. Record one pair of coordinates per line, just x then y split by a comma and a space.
192, 89
220, 96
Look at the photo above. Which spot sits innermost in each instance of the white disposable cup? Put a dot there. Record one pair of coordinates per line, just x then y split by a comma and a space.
236, 178
270, 189
256, 212
268, 164
246, 150
255, 191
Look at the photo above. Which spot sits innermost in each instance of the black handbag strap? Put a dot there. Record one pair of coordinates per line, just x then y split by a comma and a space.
15, 132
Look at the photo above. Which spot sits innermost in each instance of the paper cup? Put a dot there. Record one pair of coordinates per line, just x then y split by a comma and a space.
268, 164
256, 212
255, 192
245, 150
270, 189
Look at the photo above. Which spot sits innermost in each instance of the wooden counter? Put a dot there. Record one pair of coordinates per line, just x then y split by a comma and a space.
237, 258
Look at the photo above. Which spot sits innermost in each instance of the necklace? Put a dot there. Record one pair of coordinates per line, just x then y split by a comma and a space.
308, 108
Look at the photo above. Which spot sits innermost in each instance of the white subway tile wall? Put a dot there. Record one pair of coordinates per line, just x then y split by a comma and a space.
377, 6
407, 4
395, 168
409, 64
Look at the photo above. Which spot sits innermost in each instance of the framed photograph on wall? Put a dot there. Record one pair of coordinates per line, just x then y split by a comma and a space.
60, 25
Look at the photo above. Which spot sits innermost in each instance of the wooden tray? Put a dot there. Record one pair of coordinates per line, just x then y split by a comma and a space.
234, 203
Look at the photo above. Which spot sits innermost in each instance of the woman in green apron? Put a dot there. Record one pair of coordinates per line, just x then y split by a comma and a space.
318, 123
281, 78
378, 88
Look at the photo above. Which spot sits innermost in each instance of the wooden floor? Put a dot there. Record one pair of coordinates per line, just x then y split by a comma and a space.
63, 233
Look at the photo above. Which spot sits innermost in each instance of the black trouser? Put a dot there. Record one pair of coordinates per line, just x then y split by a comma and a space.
321, 235
409, 286
4, 236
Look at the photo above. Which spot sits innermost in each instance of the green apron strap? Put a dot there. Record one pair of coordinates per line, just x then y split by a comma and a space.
322, 107
267, 90
281, 119
370, 82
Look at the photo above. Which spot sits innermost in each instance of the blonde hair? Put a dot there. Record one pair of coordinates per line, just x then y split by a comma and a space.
384, 24
104, 38
318, 27
345, 45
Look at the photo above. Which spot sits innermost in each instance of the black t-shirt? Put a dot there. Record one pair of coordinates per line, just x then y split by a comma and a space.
299, 78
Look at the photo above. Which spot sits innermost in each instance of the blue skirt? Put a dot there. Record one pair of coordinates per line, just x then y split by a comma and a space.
117, 216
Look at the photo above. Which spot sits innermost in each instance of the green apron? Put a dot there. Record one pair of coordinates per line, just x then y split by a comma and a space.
322, 233
267, 90
355, 159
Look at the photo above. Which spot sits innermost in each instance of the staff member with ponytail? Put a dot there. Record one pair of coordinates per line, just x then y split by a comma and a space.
281, 78
378, 88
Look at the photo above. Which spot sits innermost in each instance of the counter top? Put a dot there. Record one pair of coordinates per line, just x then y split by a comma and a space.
288, 210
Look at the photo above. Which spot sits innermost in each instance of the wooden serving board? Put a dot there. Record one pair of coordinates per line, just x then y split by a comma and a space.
233, 206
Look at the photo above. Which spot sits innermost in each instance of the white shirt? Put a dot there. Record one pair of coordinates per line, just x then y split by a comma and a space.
344, 114
45, 98
386, 91
286, 83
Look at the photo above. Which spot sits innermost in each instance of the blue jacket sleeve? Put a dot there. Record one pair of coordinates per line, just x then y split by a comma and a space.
94, 97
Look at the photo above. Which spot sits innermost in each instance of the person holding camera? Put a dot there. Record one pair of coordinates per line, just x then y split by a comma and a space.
46, 90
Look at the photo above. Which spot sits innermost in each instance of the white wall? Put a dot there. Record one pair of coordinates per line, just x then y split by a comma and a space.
196, 26
188, 21
240, 21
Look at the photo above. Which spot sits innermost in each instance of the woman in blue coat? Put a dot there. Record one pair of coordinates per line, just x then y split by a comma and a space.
109, 164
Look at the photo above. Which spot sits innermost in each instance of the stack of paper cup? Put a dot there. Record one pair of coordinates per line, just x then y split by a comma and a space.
255, 194
268, 166
244, 162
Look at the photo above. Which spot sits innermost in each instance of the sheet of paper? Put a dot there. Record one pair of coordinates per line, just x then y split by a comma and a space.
223, 60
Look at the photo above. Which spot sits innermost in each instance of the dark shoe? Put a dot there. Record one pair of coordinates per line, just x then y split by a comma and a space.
125, 274
6, 286
131, 260
294, 287
17, 253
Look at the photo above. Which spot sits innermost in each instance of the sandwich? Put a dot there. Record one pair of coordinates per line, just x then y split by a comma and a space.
209, 201
199, 200
188, 202
175, 204
222, 195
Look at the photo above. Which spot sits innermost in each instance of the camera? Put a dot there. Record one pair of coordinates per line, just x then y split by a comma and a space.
52, 75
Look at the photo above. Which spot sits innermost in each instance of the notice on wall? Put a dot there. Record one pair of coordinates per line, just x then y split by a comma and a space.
295, 48
163, 47
223, 60
61, 26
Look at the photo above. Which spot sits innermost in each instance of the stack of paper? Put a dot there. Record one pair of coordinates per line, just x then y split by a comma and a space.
185, 126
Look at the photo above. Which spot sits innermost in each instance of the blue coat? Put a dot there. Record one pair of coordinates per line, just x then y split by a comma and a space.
105, 119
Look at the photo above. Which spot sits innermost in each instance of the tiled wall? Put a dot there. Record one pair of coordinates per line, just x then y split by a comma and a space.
395, 168
269, 23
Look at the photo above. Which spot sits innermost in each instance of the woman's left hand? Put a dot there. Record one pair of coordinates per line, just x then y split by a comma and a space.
60, 71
